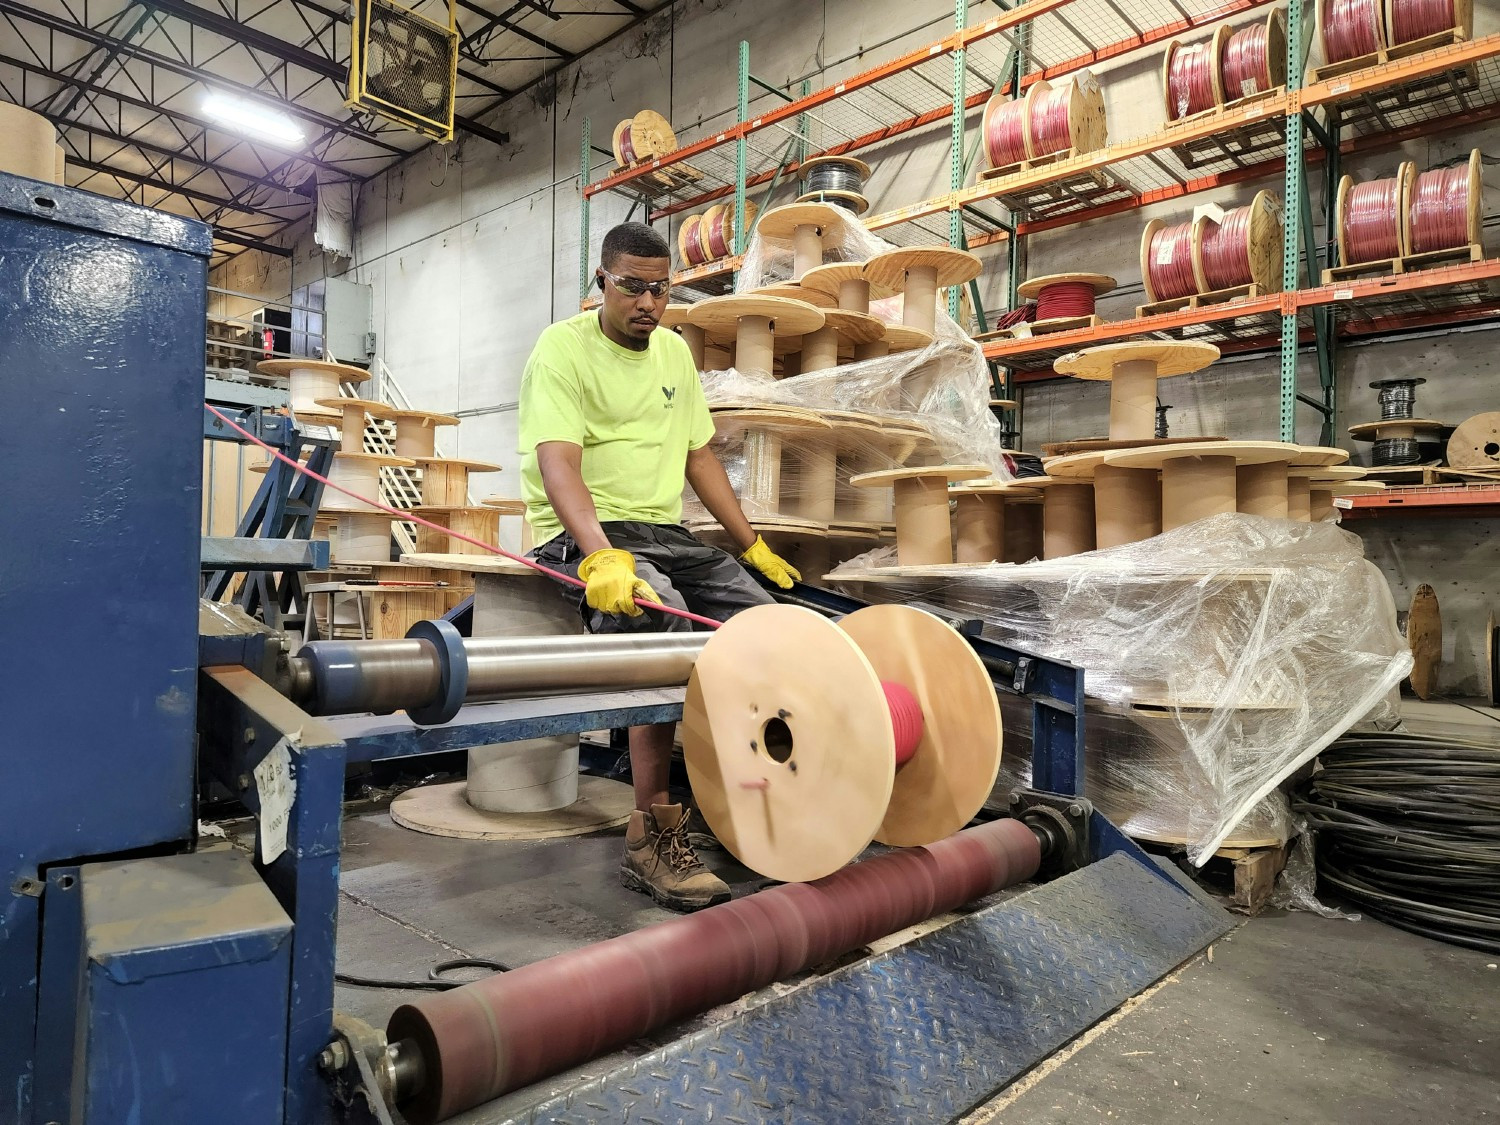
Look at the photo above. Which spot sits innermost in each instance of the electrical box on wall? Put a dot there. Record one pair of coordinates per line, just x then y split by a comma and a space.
348, 320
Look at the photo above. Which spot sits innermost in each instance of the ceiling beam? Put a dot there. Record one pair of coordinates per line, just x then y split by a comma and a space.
493, 21
312, 61
229, 236
174, 189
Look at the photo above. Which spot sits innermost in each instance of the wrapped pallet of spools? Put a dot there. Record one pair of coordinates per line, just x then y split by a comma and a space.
1226, 68
1240, 255
1049, 121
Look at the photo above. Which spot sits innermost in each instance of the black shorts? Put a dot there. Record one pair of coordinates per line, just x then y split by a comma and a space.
685, 573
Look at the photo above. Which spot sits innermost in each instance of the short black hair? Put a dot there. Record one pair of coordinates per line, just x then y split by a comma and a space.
635, 239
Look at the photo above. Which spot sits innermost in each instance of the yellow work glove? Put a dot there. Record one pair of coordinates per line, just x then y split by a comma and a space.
769, 563
612, 584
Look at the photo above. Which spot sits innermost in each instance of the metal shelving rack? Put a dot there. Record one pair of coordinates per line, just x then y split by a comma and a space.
1289, 134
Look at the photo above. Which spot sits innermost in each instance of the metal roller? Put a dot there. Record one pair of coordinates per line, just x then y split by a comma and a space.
464, 1047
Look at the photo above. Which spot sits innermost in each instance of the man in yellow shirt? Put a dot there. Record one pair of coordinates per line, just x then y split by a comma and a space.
612, 423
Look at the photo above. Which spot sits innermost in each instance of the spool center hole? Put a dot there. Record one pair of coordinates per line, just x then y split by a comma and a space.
1491, 448
776, 737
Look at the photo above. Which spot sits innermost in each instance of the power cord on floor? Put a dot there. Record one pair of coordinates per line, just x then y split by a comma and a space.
1408, 825
435, 982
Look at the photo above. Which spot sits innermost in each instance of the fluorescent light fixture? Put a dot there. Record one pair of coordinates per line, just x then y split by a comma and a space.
253, 118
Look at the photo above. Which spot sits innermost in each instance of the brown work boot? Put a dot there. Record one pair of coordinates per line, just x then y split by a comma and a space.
660, 862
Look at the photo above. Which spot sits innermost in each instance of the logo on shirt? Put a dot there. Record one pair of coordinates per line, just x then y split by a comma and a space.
669, 393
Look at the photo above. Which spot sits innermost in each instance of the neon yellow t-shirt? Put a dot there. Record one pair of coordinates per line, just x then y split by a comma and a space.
634, 414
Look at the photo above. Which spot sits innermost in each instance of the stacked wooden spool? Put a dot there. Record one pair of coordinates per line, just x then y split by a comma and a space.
29, 146
1437, 214
1197, 258
1049, 122
1228, 67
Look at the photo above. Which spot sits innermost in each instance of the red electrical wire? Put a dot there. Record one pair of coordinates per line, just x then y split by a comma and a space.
906, 719
1005, 136
1051, 130
1190, 82
1065, 298
1417, 19
1226, 251
399, 514
1351, 28
1245, 66
716, 246
1440, 209
1372, 222
690, 227
1169, 260
622, 135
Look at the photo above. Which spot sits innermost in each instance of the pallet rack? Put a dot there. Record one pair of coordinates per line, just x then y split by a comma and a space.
1447, 87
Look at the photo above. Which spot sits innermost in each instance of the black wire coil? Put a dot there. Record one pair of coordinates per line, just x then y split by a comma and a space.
1397, 397
1396, 451
1409, 828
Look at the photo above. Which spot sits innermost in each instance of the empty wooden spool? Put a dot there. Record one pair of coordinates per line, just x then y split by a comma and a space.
1198, 480
1261, 489
820, 349
924, 534
918, 273
353, 413
1132, 369
416, 432
445, 480
364, 531
980, 517
1475, 443
755, 323
480, 522
1127, 502
810, 226
761, 430
311, 379
675, 319
1067, 515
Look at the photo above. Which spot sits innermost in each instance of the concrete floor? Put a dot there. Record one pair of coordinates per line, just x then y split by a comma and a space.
1296, 1019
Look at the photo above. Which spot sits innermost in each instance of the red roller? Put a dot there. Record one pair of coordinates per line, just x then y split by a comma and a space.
1440, 208
1351, 28
1417, 19
484, 1039
1169, 259
1372, 222
1246, 66
1050, 128
906, 719
1005, 134
1190, 80
1065, 299
1226, 251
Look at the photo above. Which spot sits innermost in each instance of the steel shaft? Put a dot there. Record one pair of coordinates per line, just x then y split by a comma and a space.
498, 1034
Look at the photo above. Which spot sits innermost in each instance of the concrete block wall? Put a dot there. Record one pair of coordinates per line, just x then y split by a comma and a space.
472, 249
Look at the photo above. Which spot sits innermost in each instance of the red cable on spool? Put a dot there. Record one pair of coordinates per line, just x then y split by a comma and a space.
1226, 251
1246, 69
1065, 299
622, 135
1051, 130
1417, 19
1440, 209
1170, 260
1351, 28
716, 240
1005, 135
1190, 81
906, 719
1372, 222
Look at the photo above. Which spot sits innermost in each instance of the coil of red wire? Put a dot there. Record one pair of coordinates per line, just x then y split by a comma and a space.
1245, 66
1065, 299
1351, 28
1169, 263
1005, 134
1190, 83
1417, 19
1226, 251
1440, 209
1051, 130
688, 240
717, 243
622, 137
1372, 221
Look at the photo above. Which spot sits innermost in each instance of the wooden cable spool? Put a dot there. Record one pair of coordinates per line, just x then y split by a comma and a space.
416, 431
1063, 296
1253, 60
838, 180
480, 522
979, 517
311, 379
797, 773
755, 322
1192, 77
924, 536
646, 136
810, 227
1409, 20
1169, 260
1067, 515
1047, 120
710, 236
1132, 368
353, 412
1370, 219
761, 432
918, 273
1245, 249
1475, 444
445, 480
1442, 209
1199, 480
1127, 502
1350, 29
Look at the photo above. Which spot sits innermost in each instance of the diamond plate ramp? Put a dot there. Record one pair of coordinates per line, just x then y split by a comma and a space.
926, 1031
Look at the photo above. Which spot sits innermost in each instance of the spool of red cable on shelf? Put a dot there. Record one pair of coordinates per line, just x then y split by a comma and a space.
1005, 127
1254, 58
1049, 119
1410, 20
621, 143
1169, 261
687, 241
1064, 296
1443, 207
1370, 218
1191, 81
1245, 248
1350, 29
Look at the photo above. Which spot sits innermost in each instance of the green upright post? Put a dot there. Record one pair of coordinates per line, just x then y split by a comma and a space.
1292, 246
956, 150
583, 211
741, 152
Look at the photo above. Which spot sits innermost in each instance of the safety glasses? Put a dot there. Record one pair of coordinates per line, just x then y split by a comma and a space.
634, 286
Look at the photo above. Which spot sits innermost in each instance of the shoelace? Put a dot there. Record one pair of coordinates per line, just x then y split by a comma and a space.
672, 845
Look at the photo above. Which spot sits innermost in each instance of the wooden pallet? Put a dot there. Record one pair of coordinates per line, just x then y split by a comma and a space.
1409, 263
1386, 54
1045, 327
1027, 165
668, 178
1254, 871
1201, 300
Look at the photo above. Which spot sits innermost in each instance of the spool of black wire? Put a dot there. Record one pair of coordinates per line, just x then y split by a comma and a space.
1409, 828
1391, 452
1398, 398
839, 180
